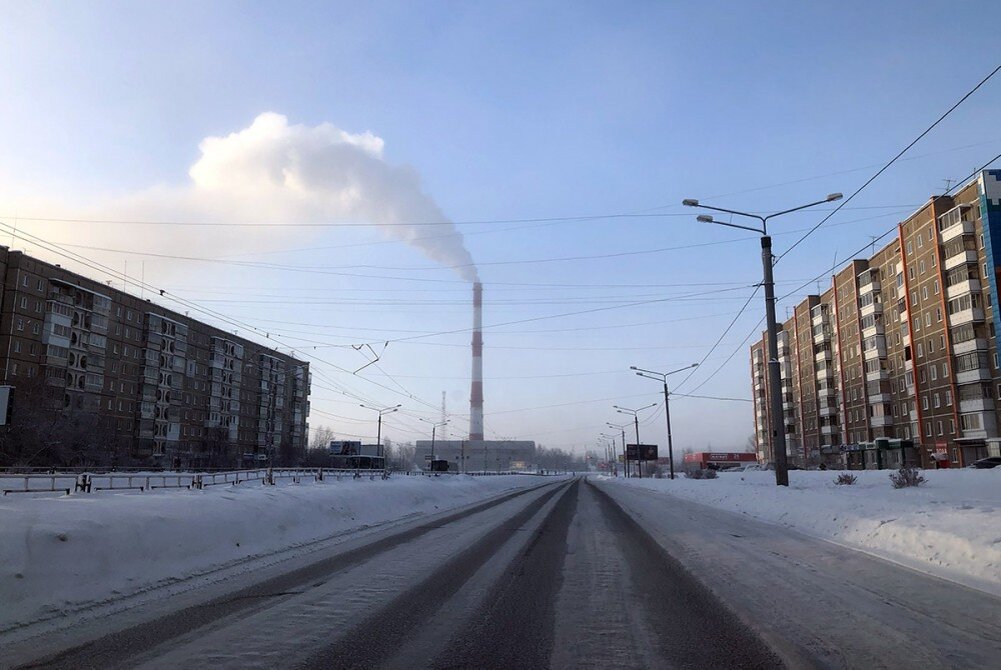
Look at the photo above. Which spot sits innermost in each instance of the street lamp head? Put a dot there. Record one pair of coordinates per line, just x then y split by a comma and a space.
695, 365
705, 218
834, 196
690, 202
633, 367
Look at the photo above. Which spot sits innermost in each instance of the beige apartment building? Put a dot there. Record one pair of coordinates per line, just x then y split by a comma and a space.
897, 361
99, 376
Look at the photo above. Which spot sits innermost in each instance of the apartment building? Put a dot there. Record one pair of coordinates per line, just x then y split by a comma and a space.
899, 355
101, 376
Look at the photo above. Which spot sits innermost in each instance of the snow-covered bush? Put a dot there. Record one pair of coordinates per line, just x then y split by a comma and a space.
906, 477
846, 479
693, 474
709, 474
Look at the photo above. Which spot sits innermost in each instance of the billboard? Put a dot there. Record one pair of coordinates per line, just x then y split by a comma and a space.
641, 452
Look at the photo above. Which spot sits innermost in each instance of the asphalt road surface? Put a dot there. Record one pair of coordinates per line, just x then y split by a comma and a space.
570, 574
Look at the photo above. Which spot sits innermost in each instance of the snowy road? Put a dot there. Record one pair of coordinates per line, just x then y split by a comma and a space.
570, 574
555, 576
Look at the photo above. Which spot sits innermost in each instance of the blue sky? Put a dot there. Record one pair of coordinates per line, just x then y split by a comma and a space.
504, 111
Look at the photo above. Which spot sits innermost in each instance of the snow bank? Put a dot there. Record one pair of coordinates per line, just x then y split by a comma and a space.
61, 553
947, 527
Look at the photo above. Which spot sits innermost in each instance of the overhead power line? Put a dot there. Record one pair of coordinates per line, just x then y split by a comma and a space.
893, 160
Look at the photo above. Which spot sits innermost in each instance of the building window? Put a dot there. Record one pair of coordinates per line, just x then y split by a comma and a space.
921, 267
935, 287
20, 324
927, 428
17, 346
924, 402
24, 302
934, 372
940, 428
937, 402
921, 350
24, 281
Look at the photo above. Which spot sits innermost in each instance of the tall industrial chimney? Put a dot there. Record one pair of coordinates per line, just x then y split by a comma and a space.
476, 389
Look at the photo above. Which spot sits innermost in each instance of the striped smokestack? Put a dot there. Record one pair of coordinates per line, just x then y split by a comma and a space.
476, 389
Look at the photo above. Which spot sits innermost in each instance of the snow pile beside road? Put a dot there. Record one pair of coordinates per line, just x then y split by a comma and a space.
947, 527
58, 554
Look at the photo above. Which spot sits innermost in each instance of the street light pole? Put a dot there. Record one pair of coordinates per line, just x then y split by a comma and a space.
622, 429
662, 377
774, 368
378, 438
636, 421
434, 428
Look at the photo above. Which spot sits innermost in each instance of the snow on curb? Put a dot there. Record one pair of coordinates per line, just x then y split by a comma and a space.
947, 527
60, 554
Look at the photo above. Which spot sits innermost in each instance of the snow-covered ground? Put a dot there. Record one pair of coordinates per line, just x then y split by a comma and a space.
948, 527
61, 553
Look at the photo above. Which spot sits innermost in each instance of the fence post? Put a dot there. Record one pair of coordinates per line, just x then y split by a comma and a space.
270, 480
319, 474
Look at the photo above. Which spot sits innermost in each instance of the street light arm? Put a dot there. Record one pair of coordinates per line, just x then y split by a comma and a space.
829, 198
760, 231
730, 211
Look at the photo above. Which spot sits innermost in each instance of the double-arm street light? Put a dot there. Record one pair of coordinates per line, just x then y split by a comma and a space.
768, 282
636, 422
662, 377
434, 427
621, 429
378, 439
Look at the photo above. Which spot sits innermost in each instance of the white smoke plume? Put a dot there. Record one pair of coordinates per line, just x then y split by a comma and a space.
271, 171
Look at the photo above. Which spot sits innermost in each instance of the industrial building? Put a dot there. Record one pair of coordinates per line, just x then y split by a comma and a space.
103, 377
897, 361
479, 455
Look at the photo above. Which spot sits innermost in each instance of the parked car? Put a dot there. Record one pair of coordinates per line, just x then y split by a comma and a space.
985, 463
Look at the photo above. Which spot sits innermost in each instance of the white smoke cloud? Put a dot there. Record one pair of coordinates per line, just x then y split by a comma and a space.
323, 172
273, 171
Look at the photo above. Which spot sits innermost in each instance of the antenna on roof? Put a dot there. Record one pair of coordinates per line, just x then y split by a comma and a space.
948, 185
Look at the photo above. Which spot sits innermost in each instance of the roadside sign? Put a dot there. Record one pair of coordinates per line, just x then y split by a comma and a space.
641, 452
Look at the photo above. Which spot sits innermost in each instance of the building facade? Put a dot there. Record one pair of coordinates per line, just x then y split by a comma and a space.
900, 351
102, 377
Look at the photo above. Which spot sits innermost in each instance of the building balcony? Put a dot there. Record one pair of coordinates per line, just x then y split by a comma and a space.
873, 330
973, 376
829, 430
976, 405
957, 229
874, 352
877, 375
881, 421
976, 344
869, 287
972, 315
962, 258
871, 308
962, 288
823, 355
879, 398
831, 410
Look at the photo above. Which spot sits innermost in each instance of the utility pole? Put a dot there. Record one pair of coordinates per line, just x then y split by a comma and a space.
378, 439
622, 429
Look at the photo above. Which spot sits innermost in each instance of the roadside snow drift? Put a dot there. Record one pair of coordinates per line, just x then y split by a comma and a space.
947, 527
61, 554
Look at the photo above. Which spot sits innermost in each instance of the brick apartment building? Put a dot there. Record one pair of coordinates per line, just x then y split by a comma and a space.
899, 355
103, 377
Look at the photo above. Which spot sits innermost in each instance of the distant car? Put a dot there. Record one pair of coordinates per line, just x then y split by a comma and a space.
986, 463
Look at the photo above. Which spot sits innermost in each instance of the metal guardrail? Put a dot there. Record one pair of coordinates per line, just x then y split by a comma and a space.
90, 482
